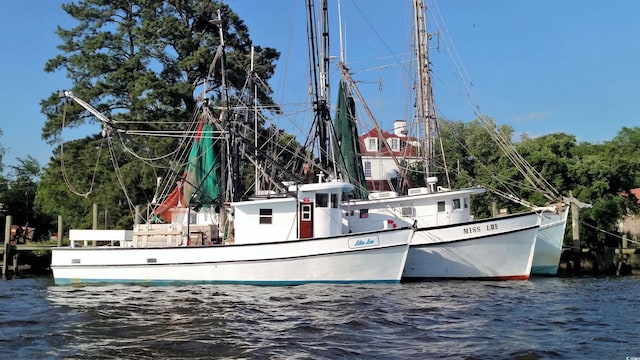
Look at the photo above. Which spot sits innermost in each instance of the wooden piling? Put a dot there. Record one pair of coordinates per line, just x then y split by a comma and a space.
136, 217
95, 221
59, 230
7, 247
575, 223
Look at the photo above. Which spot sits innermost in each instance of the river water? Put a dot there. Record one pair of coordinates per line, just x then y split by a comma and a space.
543, 318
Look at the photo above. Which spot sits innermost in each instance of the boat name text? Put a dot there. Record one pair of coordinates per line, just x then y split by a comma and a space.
480, 228
363, 242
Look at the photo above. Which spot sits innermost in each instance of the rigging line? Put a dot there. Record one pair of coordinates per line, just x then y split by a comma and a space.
353, 88
145, 160
530, 173
116, 168
180, 159
607, 232
380, 38
378, 68
63, 167
483, 165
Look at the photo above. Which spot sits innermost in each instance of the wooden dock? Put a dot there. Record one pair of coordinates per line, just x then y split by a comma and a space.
10, 256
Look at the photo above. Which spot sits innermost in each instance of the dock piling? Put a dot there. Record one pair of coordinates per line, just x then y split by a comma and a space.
7, 247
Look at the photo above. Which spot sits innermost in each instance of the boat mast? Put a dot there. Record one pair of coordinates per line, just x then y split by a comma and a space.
319, 67
256, 186
425, 107
232, 192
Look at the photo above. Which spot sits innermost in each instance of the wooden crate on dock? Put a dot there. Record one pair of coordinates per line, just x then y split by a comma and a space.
157, 235
202, 235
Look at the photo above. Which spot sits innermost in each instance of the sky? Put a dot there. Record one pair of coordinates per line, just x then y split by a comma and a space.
541, 67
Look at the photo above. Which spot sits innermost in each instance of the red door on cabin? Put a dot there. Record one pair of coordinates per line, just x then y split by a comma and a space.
306, 219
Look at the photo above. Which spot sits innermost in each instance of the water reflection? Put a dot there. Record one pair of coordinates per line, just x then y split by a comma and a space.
541, 318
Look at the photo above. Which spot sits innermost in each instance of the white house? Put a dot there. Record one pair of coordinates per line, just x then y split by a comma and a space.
377, 160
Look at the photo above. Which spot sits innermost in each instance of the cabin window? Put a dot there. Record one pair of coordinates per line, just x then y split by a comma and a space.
395, 144
466, 202
322, 200
364, 213
266, 216
372, 144
367, 168
456, 204
440, 206
306, 212
334, 201
408, 211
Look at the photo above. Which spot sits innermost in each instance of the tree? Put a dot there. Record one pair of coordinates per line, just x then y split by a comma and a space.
475, 159
19, 194
600, 174
603, 177
139, 63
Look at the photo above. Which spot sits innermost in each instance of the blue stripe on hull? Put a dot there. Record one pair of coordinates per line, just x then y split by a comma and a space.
544, 270
66, 281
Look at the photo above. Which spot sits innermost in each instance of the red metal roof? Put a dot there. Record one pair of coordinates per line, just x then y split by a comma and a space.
406, 144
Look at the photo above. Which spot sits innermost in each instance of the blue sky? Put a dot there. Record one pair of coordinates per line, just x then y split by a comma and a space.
541, 66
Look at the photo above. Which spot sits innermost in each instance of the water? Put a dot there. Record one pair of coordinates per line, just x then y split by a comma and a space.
543, 318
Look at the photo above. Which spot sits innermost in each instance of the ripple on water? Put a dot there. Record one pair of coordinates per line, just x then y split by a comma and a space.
550, 318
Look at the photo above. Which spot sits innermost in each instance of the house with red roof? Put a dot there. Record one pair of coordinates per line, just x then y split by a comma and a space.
378, 158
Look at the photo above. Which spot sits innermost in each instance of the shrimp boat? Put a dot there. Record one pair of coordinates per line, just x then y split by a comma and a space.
288, 240
299, 235
448, 241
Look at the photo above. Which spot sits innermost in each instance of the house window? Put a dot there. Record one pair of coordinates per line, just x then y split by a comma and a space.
395, 144
456, 204
372, 144
266, 216
322, 200
367, 168
440, 206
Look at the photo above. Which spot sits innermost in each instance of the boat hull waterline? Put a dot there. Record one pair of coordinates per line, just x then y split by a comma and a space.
546, 257
496, 249
361, 258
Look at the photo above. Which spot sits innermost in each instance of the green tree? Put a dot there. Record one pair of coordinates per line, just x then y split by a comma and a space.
475, 158
551, 156
139, 63
603, 177
19, 195
599, 174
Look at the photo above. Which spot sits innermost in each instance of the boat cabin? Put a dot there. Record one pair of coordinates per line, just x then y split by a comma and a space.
314, 212
422, 206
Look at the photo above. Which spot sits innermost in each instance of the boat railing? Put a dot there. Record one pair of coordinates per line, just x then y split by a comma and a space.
123, 238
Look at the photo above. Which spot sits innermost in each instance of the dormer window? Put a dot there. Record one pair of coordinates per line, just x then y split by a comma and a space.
372, 144
395, 144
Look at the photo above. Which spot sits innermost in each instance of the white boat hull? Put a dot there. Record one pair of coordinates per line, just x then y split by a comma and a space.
499, 248
546, 256
370, 257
